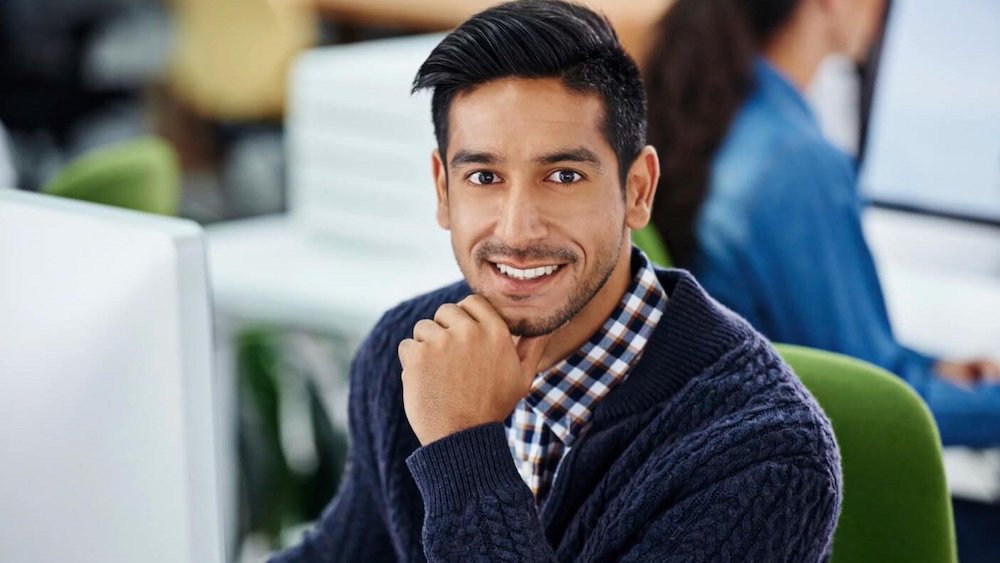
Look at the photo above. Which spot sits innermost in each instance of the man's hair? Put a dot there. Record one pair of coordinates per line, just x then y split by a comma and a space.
541, 39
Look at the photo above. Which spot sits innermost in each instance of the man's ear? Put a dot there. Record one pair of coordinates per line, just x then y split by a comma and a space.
441, 187
640, 188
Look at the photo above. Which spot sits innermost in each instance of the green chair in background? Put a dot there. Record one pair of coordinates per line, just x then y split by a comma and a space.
649, 241
896, 501
140, 174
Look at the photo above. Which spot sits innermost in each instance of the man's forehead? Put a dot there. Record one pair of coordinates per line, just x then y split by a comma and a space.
539, 97
540, 114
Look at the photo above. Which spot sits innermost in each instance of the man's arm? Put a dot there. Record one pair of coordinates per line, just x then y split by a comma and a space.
352, 527
462, 374
774, 511
478, 509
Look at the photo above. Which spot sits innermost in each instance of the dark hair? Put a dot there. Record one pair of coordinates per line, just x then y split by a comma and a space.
541, 39
699, 73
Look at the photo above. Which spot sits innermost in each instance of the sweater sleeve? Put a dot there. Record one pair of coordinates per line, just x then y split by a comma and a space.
771, 512
476, 507
810, 269
352, 527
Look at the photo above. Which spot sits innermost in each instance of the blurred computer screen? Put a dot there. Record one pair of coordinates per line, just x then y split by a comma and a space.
107, 432
934, 131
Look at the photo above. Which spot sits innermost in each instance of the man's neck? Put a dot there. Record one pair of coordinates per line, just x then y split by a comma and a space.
571, 336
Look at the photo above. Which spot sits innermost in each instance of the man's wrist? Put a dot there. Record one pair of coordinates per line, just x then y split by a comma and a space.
459, 468
449, 427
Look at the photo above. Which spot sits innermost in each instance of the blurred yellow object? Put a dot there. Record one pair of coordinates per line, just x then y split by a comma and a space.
232, 57
633, 19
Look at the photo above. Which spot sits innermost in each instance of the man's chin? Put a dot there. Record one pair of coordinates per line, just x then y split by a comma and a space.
529, 316
531, 326
530, 329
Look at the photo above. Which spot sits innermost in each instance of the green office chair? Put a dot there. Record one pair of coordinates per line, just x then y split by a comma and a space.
896, 501
140, 174
648, 240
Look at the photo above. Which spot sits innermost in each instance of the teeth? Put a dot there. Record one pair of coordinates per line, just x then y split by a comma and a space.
529, 274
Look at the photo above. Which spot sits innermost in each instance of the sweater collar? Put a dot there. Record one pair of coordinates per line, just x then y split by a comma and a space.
565, 395
693, 334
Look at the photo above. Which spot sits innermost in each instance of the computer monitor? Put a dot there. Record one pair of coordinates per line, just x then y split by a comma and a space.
933, 132
107, 433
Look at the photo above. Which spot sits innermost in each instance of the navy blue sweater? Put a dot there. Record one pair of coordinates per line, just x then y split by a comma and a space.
711, 450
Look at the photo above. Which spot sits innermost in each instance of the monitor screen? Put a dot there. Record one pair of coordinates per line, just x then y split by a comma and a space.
107, 430
933, 140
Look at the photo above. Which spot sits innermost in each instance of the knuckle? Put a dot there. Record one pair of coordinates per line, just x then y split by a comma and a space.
424, 327
442, 311
446, 308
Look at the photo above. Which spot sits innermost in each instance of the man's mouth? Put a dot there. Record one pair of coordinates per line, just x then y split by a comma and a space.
526, 273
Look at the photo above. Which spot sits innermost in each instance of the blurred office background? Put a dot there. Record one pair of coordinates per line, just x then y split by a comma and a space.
260, 122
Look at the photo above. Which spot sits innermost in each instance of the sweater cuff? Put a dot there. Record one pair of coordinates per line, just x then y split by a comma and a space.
461, 467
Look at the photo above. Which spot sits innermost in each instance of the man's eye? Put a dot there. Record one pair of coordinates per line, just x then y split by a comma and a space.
483, 178
565, 177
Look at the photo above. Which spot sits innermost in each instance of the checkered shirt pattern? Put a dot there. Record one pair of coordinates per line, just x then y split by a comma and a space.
555, 413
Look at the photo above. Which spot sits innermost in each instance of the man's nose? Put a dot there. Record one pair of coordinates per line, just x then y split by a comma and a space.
521, 220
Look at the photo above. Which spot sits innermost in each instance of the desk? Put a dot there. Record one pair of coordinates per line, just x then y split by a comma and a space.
632, 19
942, 286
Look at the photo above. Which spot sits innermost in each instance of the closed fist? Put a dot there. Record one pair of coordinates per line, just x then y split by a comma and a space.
464, 368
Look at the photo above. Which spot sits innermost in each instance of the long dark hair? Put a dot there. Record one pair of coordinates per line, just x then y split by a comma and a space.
699, 72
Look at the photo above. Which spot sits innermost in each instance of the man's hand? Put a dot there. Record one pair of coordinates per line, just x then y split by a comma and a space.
464, 368
970, 372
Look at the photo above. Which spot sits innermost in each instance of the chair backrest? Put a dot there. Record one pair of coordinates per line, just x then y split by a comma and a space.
896, 501
140, 174
648, 240
359, 147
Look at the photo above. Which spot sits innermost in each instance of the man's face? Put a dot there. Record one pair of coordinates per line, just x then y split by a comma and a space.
532, 197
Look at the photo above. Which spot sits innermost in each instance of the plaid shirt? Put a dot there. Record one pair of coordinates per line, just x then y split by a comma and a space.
555, 413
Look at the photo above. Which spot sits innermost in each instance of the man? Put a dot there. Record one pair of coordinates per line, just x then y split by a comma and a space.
567, 401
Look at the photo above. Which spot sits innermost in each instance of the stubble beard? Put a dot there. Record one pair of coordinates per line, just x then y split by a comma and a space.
579, 297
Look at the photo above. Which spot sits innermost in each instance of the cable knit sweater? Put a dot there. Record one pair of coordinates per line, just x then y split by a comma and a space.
711, 451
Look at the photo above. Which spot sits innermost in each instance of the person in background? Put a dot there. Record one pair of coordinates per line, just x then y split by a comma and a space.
566, 401
764, 210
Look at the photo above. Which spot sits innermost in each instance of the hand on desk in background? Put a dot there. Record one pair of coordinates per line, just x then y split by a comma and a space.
969, 372
464, 369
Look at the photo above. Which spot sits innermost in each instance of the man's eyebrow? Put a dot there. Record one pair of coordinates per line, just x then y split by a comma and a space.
579, 154
473, 157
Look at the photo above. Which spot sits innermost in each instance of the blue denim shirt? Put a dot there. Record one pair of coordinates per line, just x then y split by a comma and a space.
780, 238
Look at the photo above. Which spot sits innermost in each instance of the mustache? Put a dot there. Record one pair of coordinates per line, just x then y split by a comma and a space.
497, 249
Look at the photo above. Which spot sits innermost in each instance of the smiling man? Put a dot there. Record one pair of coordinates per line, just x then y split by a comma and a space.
567, 401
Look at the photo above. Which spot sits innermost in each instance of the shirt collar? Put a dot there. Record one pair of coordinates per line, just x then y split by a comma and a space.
565, 395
